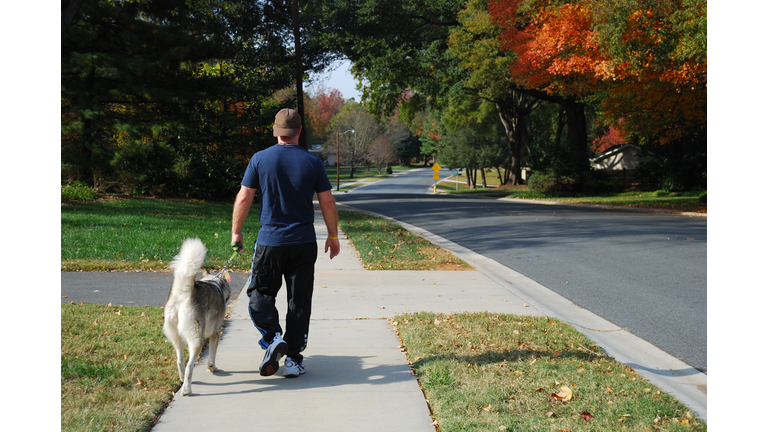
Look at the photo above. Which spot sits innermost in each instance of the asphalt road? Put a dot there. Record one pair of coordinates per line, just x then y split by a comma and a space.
643, 271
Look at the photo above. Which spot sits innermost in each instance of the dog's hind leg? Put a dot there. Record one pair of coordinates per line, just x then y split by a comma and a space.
169, 328
213, 343
195, 346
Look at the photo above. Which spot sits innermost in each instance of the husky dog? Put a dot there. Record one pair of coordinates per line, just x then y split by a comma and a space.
194, 310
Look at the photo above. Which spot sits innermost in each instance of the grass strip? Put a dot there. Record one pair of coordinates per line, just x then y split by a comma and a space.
486, 371
145, 234
117, 371
383, 245
675, 201
660, 200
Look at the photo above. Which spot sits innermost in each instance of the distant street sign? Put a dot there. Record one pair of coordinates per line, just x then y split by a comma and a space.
436, 176
436, 167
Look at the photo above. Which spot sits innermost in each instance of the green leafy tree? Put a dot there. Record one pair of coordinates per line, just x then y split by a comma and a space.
172, 96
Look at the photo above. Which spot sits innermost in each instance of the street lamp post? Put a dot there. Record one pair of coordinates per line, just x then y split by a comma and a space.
338, 157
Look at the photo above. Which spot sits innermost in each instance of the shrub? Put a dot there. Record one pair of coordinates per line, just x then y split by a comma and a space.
543, 182
551, 182
78, 192
703, 198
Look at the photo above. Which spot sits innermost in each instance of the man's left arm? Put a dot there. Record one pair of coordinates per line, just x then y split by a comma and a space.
331, 218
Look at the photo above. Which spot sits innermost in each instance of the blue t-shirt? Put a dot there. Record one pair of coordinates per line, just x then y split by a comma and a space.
285, 178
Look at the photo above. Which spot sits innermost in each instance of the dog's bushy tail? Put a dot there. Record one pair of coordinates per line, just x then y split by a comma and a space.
189, 260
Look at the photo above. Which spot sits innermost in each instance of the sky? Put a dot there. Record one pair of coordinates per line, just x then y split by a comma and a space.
340, 79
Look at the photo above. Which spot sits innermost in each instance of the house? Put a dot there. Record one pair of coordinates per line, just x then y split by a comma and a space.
621, 157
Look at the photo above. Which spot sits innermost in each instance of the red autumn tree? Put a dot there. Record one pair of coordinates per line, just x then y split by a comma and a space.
321, 108
612, 137
646, 57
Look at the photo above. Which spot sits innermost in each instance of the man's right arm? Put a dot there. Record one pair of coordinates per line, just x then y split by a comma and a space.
240, 213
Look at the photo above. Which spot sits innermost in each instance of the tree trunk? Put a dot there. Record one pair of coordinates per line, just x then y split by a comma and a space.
482, 175
576, 122
514, 111
68, 16
577, 134
299, 74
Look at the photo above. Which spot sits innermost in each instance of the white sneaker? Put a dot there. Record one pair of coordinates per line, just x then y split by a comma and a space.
293, 369
275, 352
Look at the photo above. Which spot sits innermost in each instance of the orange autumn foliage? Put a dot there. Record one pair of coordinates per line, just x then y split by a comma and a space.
564, 48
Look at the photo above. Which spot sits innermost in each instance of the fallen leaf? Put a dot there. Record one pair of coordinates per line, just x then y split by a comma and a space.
586, 416
549, 414
556, 354
565, 394
487, 407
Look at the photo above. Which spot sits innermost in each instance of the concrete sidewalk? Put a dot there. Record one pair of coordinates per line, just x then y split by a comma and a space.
357, 378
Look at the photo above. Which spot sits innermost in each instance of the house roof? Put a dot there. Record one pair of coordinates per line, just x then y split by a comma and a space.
612, 150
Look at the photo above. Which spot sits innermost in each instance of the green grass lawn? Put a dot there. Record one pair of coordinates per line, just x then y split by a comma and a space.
145, 234
490, 372
117, 371
383, 245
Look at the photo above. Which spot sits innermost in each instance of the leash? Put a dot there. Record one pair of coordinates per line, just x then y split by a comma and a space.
237, 246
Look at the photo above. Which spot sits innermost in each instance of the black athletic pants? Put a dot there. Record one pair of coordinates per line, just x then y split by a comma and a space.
296, 264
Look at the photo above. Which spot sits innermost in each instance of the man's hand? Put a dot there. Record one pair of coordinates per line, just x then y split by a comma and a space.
237, 246
333, 245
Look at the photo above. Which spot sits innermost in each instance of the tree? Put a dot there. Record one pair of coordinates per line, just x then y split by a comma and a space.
476, 44
555, 59
382, 152
172, 93
658, 67
69, 13
394, 44
320, 109
355, 149
405, 145
645, 60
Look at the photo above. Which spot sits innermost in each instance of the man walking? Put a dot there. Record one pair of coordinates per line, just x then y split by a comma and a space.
285, 177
